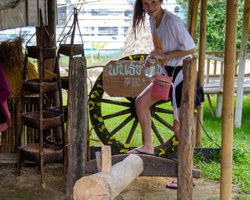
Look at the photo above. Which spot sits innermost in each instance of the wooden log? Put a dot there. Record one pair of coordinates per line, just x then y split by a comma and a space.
187, 133
105, 185
78, 118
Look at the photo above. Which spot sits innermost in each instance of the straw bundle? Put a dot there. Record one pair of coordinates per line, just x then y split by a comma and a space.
12, 61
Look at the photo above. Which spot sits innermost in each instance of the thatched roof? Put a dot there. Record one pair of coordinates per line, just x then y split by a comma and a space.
142, 44
12, 61
6, 4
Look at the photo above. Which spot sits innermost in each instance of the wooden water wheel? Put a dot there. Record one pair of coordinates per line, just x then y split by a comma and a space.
115, 121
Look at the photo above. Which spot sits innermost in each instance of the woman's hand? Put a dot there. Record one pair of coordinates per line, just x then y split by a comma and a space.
157, 54
148, 61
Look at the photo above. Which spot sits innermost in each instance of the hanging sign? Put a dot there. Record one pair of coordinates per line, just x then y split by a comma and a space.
125, 78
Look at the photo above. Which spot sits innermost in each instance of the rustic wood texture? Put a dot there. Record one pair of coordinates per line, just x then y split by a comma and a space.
194, 19
187, 134
106, 158
7, 158
78, 119
202, 52
26, 13
154, 166
124, 84
106, 186
228, 101
98, 161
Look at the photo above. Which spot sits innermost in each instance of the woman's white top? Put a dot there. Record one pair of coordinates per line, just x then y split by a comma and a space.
171, 35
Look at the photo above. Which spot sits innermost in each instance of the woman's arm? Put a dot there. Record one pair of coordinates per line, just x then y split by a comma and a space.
171, 55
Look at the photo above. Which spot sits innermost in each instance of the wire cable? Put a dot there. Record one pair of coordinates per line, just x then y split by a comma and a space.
206, 131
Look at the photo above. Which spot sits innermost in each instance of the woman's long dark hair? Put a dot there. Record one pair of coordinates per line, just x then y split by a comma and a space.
138, 16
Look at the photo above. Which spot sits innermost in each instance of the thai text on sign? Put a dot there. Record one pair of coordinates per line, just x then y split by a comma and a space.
125, 78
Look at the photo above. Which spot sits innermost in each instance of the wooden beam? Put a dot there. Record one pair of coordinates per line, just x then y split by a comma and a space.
228, 101
190, 15
194, 19
202, 54
187, 133
154, 166
78, 119
243, 52
106, 186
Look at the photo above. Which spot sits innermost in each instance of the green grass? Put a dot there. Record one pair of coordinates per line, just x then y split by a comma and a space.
213, 126
210, 170
241, 157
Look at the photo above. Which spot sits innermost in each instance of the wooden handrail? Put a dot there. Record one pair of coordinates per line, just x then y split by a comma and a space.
212, 60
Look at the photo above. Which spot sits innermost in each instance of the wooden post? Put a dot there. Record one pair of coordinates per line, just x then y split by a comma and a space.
202, 54
78, 118
106, 158
187, 133
243, 53
49, 64
189, 15
49, 41
228, 101
219, 101
108, 185
194, 19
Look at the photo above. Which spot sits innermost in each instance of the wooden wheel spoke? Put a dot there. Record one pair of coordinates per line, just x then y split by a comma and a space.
158, 118
123, 117
131, 99
132, 131
119, 103
157, 133
119, 127
160, 102
163, 110
123, 112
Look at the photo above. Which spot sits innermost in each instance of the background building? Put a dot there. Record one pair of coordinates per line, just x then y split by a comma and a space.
102, 23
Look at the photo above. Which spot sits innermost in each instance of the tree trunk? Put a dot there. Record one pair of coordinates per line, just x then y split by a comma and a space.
105, 185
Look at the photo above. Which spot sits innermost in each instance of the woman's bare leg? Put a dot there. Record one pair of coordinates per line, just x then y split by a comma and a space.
142, 104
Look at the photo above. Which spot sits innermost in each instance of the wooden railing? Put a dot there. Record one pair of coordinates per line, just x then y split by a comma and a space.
214, 70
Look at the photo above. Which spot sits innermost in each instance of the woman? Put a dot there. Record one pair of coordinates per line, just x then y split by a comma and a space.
172, 44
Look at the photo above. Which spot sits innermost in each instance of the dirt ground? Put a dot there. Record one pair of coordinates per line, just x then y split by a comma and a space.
27, 186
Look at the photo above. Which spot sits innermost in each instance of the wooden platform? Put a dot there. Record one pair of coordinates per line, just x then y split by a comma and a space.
213, 87
8, 158
154, 166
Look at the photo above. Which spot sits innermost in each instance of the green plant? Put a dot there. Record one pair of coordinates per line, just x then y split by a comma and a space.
216, 24
240, 156
98, 47
214, 198
240, 197
215, 157
198, 156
